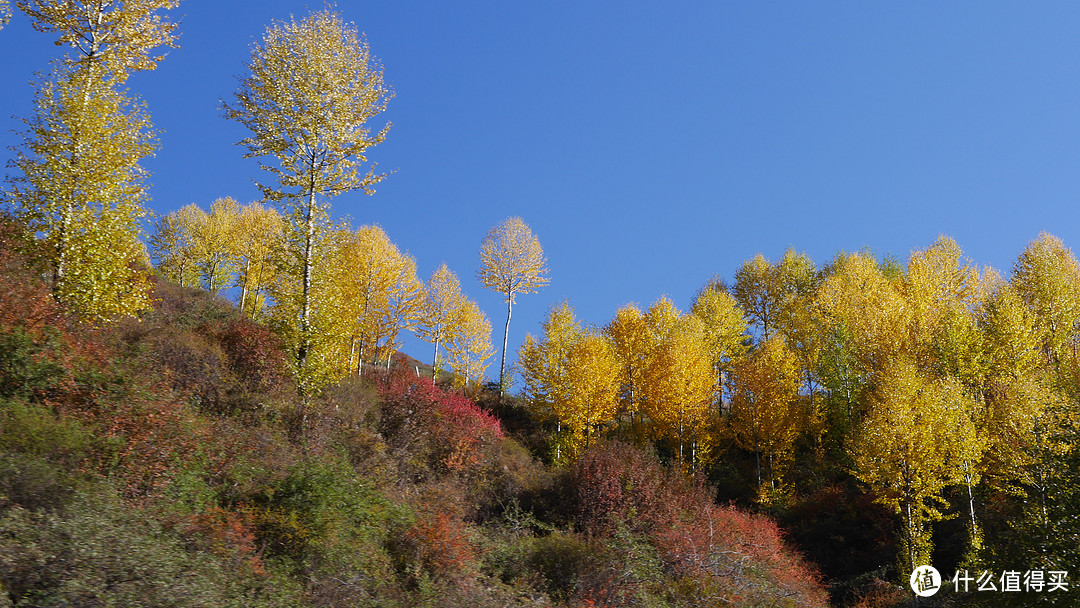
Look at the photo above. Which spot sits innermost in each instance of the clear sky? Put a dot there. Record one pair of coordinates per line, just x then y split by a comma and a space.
653, 145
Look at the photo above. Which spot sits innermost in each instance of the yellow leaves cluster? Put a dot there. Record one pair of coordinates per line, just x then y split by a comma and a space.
448, 316
917, 439
511, 260
765, 416
227, 246
81, 183
678, 381
571, 374
119, 35
468, 346
312, 88
82, 188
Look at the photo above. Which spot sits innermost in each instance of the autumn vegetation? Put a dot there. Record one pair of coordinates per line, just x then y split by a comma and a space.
219, 415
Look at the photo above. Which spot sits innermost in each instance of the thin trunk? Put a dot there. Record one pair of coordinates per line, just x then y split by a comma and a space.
309, 254
506, 335
757, 459
244, 286
435, 358
911, 537
558, 441
971, 509
680, 444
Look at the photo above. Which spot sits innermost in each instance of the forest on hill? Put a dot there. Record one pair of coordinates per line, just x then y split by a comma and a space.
219, 414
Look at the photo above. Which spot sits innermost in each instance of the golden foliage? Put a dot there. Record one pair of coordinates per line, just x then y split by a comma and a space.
82, 187
511, 262
678, 381
312, 88
765, 417
571, 374
118, 35
628, 336
911, 447
469, 346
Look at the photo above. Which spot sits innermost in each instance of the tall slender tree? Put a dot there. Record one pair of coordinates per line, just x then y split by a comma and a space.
511, 262
313, 87
440, 310
81, 185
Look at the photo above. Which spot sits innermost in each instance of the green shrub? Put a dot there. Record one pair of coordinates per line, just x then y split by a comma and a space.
37, 430
99, 552
33, 483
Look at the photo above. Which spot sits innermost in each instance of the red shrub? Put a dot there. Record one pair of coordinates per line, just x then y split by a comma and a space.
456, 429
228, 534
255, 354
620, 484
710, 549
441, 545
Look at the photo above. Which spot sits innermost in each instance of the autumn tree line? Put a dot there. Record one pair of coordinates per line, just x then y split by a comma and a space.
365, 292
934, 383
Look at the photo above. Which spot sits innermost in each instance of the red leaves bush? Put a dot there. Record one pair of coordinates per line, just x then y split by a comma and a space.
441, 544
427, 423
713, 551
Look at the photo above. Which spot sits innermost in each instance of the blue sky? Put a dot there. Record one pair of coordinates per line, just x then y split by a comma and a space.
653, 145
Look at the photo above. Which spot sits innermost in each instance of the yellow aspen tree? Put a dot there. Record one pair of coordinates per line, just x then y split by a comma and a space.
171, 245
725, 331
799, 277
511, 263
5, 13
628, 335
82, 188
81, 183
1028, 417
943, 292
440, 309
403, 304
1047, 277
765, 418
111, 38
468, 347
311, 90
327, 347
544, 362
593, 383
863, 321
908, 449
759, 292
362, 275
677, 392
860, 301
571, 373
213, 243
259, 231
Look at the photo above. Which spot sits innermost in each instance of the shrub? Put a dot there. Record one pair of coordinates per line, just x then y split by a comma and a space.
101, 553
321, 512
33, 483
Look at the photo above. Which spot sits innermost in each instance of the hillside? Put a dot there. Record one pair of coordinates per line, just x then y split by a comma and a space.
167, 461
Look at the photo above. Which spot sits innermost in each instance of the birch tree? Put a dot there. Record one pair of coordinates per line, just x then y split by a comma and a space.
440, 310
81, 183
311, 90
469, 346
511, 263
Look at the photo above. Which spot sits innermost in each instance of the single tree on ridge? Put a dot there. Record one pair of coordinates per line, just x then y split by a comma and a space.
511, 262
